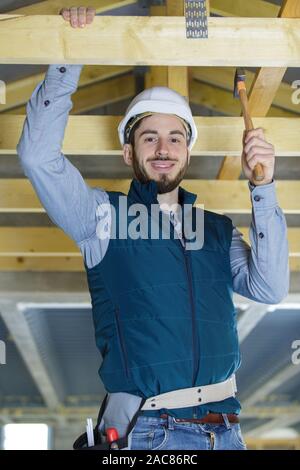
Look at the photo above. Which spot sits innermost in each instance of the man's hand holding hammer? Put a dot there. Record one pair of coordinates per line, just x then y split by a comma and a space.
257, 150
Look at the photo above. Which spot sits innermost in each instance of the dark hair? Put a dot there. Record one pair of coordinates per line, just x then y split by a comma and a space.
132, 132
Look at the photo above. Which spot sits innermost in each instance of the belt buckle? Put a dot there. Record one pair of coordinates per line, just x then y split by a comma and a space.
182, 420
178, 420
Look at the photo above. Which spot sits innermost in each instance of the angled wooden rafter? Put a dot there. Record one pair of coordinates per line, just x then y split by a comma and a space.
261, 95
222, 78
222, 101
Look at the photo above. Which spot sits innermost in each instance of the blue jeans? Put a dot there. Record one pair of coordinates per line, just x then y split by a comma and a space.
152, 433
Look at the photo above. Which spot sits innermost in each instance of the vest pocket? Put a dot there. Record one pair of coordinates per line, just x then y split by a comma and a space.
122, 342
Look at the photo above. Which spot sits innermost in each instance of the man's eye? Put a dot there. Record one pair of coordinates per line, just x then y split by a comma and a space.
175, 140
149, 139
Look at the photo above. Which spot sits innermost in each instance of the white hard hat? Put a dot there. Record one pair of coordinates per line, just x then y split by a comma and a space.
159, 99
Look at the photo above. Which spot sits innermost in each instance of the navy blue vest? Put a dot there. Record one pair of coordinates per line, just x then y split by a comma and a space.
164, 316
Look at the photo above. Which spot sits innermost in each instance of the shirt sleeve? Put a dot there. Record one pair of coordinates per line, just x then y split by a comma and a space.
70, 203
261, 272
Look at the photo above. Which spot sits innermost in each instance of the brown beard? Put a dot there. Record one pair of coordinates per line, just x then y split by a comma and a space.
164, 185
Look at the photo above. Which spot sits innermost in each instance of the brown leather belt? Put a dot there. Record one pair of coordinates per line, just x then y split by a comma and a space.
216, 418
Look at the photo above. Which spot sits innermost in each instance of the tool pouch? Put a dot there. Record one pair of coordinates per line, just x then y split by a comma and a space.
119, 411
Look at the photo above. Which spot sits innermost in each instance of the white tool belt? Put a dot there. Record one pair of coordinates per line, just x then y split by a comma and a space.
194, 396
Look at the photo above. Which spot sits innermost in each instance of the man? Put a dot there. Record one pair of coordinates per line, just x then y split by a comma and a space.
163, 314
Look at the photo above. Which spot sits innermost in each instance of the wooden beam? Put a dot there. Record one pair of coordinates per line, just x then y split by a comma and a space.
262, 92
18, 196
220, 100
223, 77
42, 263
289, 9
178, 78
19, 91
97, 135
97, 94
294, 264
69, 264
50, 249
173, 77
251, 9
113, 40
174, 7
52, 242
30, 241
157, 76
53, 7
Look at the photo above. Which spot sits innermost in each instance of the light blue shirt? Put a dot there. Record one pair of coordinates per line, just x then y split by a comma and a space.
260, 273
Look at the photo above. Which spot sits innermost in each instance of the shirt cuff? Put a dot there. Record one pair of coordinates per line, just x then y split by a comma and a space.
68, 74
263, 196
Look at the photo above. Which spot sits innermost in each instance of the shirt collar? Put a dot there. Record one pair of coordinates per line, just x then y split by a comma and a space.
146, 193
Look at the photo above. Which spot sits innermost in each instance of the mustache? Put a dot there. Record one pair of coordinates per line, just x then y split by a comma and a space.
165, 159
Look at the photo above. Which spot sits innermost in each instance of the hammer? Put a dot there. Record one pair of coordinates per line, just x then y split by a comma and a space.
240, 91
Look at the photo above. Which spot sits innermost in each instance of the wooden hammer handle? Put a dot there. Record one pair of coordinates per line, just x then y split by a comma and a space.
258, 169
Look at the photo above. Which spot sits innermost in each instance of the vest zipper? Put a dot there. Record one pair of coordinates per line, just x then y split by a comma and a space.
122, 343
194, 331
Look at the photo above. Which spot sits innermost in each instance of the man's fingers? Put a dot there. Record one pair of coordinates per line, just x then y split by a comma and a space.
256, 141
90, 13
81, 16
254, 133
258, 150
265, 160
78, 16
74, 16
65, 12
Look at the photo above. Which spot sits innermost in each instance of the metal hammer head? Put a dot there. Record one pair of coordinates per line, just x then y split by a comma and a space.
240, 76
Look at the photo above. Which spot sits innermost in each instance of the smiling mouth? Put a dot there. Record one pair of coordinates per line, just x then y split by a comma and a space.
160, 165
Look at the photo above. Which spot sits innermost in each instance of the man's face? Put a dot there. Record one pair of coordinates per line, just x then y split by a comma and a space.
160, 152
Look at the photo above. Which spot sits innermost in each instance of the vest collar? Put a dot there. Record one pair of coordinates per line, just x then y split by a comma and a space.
146, 193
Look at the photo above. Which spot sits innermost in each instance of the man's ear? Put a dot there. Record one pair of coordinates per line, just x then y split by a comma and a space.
127, 154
